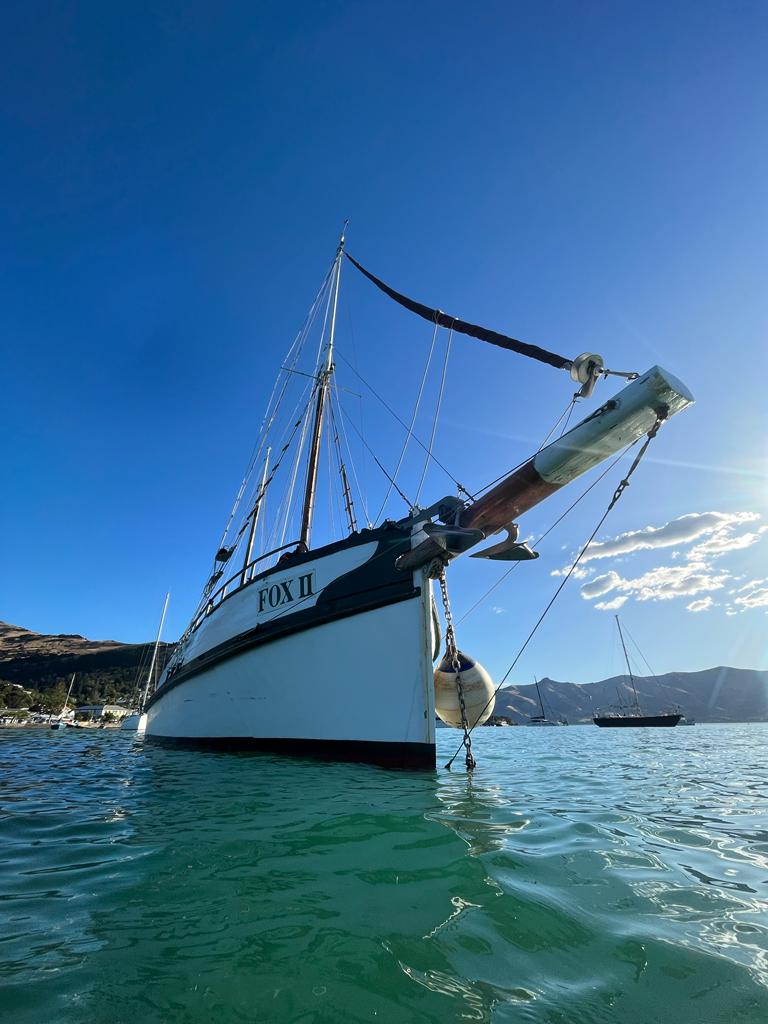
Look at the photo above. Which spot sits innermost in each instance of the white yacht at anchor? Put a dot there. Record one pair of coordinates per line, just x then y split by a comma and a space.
330, 650
136, 721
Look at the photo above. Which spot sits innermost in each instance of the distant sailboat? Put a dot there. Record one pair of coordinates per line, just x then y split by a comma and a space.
137, 720
542, 718
62, 721
632, 716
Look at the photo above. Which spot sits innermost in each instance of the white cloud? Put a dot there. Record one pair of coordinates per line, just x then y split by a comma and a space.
754, 599
697, 569
496, 610
610, 606
600, 585
752, 585
723, 542
716, 527
660, 584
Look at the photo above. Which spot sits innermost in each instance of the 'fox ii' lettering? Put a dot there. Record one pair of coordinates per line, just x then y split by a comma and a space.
285, 592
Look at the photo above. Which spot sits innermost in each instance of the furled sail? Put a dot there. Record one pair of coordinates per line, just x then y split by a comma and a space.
436, 316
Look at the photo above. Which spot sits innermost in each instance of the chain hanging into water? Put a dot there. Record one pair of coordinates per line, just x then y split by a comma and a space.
453, 653
661, 415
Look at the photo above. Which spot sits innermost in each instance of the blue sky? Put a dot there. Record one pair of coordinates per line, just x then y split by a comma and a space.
584, 176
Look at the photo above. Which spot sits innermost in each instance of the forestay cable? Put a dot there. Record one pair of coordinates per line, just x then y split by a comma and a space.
436, 416
409, 433
392, 412
661, 415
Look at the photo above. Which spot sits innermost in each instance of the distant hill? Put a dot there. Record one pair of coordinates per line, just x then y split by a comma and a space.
35, 668
713, 695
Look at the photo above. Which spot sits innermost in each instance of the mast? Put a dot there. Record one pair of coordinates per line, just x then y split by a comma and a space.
626, 658
69, 691
255, 515
348, 499
323, 382
154, 653
541, 702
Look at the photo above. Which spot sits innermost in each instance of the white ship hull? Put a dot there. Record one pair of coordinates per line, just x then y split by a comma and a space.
135, 722
339, 666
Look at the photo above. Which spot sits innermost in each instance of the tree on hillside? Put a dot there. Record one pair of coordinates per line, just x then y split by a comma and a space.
13, 697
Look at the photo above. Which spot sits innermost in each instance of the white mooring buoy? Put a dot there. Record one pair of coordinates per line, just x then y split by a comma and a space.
476, 685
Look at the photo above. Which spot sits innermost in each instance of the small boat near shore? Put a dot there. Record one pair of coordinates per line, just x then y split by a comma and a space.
66, 718
136, 721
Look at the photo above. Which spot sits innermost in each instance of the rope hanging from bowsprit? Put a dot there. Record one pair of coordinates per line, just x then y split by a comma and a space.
453, 655
661, 415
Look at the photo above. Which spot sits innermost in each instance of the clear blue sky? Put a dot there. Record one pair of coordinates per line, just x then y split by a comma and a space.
585, 176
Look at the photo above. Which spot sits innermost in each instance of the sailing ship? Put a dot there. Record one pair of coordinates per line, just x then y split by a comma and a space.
328, 650
66, 718
542, 718
632, 716
136, 721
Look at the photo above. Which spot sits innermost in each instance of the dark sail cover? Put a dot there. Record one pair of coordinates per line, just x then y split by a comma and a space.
482, 333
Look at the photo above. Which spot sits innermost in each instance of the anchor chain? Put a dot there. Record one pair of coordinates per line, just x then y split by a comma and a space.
453, 654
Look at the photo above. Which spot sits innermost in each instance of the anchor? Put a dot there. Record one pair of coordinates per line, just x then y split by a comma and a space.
509, 549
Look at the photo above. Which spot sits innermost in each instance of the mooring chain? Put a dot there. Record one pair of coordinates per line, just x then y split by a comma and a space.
453, 654
661, 415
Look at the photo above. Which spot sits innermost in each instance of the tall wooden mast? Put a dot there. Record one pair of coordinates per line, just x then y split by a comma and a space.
323, 383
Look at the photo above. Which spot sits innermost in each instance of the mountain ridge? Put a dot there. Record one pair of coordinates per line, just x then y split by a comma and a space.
719, 694
37, 667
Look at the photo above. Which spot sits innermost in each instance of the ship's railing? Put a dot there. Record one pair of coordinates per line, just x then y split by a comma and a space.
241, 579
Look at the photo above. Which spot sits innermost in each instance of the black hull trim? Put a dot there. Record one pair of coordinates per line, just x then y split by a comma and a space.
638, 721
418, 756
299, 623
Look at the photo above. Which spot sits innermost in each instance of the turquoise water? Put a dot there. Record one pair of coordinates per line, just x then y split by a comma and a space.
582, 875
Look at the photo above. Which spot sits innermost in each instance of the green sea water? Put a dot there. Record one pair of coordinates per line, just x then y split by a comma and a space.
582, 875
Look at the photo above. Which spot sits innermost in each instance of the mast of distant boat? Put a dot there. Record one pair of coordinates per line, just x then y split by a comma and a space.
145, 695
626, 659
541, 702
323, 384
69, 691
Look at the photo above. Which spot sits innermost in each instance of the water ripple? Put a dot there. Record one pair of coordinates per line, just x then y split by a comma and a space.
579, 877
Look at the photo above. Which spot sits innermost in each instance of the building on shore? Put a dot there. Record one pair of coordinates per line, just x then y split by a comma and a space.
99, 712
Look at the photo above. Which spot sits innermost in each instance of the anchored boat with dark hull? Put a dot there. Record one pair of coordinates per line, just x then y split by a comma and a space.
330, 650
630, 721
632, 716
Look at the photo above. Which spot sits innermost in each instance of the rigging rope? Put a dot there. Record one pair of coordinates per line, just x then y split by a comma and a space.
437, 414
361, 493
546, 533
392, 412
409, 433
268, 420
285, 508
565, 413
348, 503
371, 452
661, 415
642, 656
